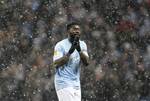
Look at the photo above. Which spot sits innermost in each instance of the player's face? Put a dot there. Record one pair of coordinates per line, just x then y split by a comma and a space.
75, 30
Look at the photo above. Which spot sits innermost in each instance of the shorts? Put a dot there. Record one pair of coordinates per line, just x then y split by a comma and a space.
69, 94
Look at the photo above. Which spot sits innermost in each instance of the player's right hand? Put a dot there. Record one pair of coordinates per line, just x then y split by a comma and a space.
77, 43
74, 44
71, 50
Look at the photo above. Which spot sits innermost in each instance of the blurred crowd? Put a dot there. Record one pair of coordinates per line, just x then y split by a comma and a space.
117, 34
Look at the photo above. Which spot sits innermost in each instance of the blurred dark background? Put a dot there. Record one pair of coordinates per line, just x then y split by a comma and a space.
117, 33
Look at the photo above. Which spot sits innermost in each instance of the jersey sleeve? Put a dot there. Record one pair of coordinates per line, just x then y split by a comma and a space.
84, 48
58, 52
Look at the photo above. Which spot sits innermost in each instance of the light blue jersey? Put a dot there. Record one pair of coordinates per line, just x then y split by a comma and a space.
68, 75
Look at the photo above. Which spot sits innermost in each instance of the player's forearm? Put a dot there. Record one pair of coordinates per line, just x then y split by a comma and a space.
61, 61
84, 58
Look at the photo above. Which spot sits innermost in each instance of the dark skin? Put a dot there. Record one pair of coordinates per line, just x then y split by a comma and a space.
73, 32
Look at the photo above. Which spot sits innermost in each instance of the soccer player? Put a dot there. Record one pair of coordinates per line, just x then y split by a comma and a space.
68, 54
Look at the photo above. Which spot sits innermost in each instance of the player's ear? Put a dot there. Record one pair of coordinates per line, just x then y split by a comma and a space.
67, 34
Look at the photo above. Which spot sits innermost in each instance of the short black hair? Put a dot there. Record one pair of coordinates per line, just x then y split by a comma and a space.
72, 24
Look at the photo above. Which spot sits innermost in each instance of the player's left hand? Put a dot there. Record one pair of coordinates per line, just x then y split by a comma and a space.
78, 47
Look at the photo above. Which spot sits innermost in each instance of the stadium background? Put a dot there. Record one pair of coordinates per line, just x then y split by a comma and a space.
117, 34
